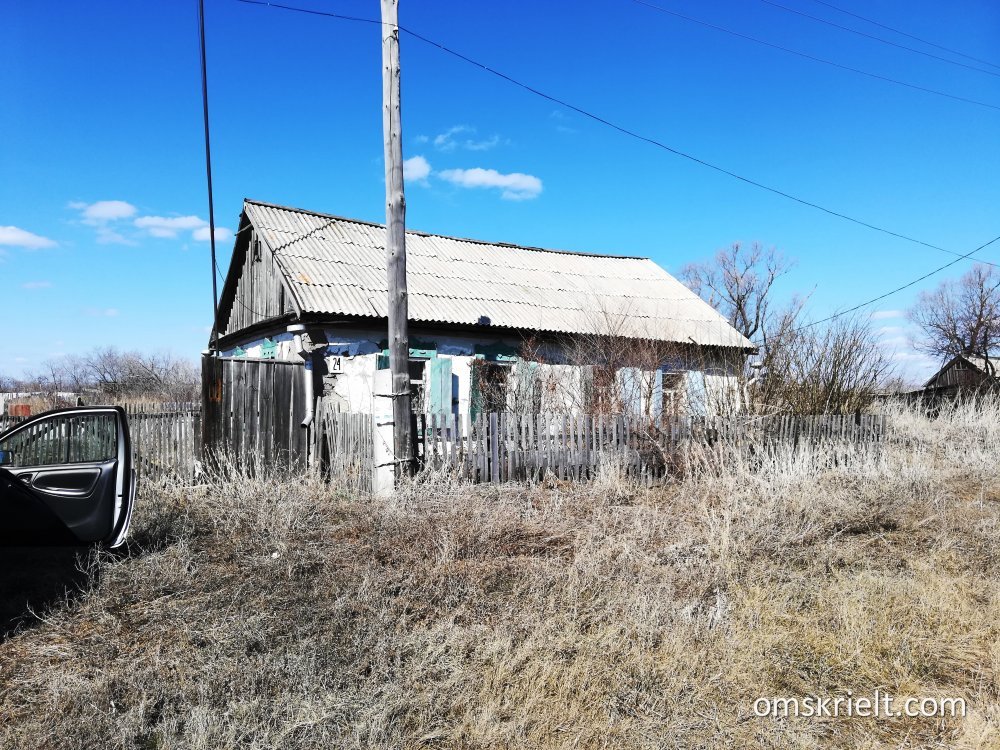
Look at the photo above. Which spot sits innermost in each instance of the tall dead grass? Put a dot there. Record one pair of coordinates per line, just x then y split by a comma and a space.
279, 613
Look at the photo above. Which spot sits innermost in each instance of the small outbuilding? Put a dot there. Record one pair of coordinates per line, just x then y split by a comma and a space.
493, 326
964, 374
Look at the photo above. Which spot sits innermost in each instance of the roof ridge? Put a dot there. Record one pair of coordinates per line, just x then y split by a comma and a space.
446, 236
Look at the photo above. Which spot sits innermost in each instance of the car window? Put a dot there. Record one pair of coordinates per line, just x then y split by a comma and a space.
63, 439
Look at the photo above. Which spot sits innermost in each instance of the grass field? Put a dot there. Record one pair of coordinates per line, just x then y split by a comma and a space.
272, 613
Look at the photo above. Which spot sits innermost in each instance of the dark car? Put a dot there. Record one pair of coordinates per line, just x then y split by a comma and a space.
67, 477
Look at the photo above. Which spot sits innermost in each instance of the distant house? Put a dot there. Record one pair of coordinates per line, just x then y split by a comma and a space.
491, 323
962, 374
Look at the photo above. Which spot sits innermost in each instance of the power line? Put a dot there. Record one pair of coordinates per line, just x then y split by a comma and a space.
614, 126
876, 38
898, 289
807, 56
903, 33
208, 167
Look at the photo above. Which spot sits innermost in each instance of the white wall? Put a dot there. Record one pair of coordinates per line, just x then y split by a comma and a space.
714, 389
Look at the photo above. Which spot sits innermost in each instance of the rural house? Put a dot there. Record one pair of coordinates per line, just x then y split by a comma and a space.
967, 374
493, 327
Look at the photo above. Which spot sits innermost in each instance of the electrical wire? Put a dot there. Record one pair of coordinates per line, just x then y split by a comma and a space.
907, 285
208, 163
822, 60
614, 126
903, 33
876, 38
626, 131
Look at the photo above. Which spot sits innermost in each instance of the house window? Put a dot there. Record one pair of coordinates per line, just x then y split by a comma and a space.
489, 387
673, 393
418, 390
418, 386
601, 391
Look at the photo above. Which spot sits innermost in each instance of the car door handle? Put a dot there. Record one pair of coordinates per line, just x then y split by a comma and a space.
26, 478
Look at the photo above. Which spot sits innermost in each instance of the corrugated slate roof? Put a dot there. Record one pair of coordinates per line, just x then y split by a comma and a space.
337, 266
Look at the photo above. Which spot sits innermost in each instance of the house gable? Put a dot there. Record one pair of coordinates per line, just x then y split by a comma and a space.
255, 292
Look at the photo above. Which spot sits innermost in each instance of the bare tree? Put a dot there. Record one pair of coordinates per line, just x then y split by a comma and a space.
113, 375
738, 283
960, 317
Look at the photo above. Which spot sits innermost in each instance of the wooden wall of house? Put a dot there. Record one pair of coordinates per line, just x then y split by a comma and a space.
253, 411
960, 375
260, 293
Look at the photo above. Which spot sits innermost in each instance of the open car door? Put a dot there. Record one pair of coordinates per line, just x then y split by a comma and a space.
67, 477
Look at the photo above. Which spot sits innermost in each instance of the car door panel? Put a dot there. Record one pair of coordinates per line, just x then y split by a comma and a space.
76, 464
66, 482
27, 520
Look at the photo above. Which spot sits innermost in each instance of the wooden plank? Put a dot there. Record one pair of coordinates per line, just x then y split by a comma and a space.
494, 440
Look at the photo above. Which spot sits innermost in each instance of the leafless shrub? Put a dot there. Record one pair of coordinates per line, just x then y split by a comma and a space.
836, 367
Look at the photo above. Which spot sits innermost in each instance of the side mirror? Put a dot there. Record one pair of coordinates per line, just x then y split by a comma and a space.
6, 458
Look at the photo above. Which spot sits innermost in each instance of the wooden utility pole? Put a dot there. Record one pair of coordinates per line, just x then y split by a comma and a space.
395, 240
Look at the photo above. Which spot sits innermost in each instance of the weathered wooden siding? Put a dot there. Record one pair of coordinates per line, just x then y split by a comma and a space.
254, 410
960, 375
260, 293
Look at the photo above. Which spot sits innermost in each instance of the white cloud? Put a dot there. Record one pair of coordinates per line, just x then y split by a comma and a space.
484, 145
16, 237
514, 186
447, 140
896, 341
102, 212
108, 236
416, 168
36, 285
202, 234
559, 118
169, 226
886, 314
105, 312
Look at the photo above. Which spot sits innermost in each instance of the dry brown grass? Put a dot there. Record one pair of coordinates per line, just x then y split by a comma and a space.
279, 614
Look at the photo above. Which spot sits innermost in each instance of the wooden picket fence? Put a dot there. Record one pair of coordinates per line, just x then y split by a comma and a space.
501, 447
7, 422
343, 447
167, 444
495, 447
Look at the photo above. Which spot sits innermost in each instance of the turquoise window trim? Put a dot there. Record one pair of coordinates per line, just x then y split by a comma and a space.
415, 353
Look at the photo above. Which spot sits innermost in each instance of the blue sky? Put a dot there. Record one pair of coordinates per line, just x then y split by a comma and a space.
103, 202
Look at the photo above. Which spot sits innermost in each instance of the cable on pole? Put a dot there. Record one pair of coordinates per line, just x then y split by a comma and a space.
614, 126
677, 152
208, 173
